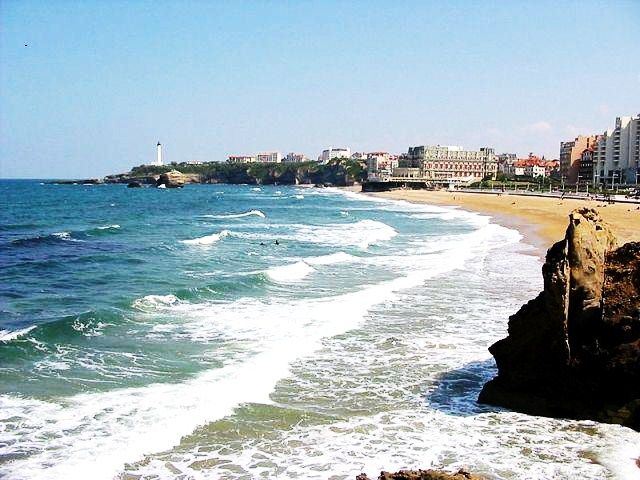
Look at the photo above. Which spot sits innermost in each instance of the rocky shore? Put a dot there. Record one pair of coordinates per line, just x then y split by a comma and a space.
336, 172
574, 351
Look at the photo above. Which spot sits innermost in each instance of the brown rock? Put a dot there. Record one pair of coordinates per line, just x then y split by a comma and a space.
575, 350
171, 179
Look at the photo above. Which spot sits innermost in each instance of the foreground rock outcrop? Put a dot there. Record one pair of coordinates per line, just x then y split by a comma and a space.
574, 351
422, 475
172, 179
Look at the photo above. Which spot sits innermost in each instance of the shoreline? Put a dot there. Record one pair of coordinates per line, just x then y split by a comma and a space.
541, 221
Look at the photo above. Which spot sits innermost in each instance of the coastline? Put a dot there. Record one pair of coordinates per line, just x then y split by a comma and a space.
541, 221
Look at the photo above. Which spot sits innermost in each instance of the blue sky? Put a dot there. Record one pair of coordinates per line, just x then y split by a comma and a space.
100, 82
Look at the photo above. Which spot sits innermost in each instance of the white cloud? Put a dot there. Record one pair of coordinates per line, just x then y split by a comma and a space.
575, 131
538, 127
495, 132
604, 109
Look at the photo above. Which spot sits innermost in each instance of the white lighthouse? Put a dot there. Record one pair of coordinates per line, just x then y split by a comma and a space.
159, 159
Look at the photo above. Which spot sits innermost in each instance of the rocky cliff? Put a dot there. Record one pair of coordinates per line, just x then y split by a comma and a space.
338, 172
574, 351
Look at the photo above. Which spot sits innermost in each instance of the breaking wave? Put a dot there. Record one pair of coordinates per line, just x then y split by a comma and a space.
250, 213
290, 273
9, 335
207, 239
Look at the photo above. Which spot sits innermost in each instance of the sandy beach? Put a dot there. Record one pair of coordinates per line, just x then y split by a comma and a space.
542, 221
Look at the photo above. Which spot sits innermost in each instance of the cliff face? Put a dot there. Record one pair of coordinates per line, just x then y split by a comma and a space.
574, 350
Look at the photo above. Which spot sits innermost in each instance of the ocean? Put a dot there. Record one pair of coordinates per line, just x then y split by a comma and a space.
241, 332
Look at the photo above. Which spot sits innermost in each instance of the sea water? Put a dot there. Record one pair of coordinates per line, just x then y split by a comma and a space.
241, 332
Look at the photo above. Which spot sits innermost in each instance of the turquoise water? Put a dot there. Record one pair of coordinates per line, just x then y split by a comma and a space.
165, 334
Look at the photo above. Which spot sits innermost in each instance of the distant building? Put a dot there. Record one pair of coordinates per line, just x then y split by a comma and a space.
570, 153
450, 164
534, 166
269, 157
586, 171
241, 159
380, 164
616, 156
295, 158
334, 153
505, 162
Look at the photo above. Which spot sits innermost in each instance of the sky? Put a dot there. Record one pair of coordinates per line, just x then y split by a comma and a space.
88, 88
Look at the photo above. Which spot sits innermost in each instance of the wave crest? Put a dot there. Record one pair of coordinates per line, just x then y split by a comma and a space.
8, 335
207, 239
250, 213
155, 301
290, 273
339, 257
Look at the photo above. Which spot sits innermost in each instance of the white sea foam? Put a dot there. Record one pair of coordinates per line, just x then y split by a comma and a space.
62, 235
338, 257
362, 234
290, 273
277, 333
109, 227
8, 335
257, 213
256, 189
48, 365
155, 301
355, 234
154, 418
207, 239
83, 436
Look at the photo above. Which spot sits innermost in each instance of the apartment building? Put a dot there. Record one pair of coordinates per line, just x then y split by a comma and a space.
570, 153
586, 172
616, 157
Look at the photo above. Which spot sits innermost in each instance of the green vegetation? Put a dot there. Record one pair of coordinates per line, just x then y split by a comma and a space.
522, 182
337, 171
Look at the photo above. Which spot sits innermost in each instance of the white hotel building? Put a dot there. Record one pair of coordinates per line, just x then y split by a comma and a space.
265, 157
449, 164
334, 153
